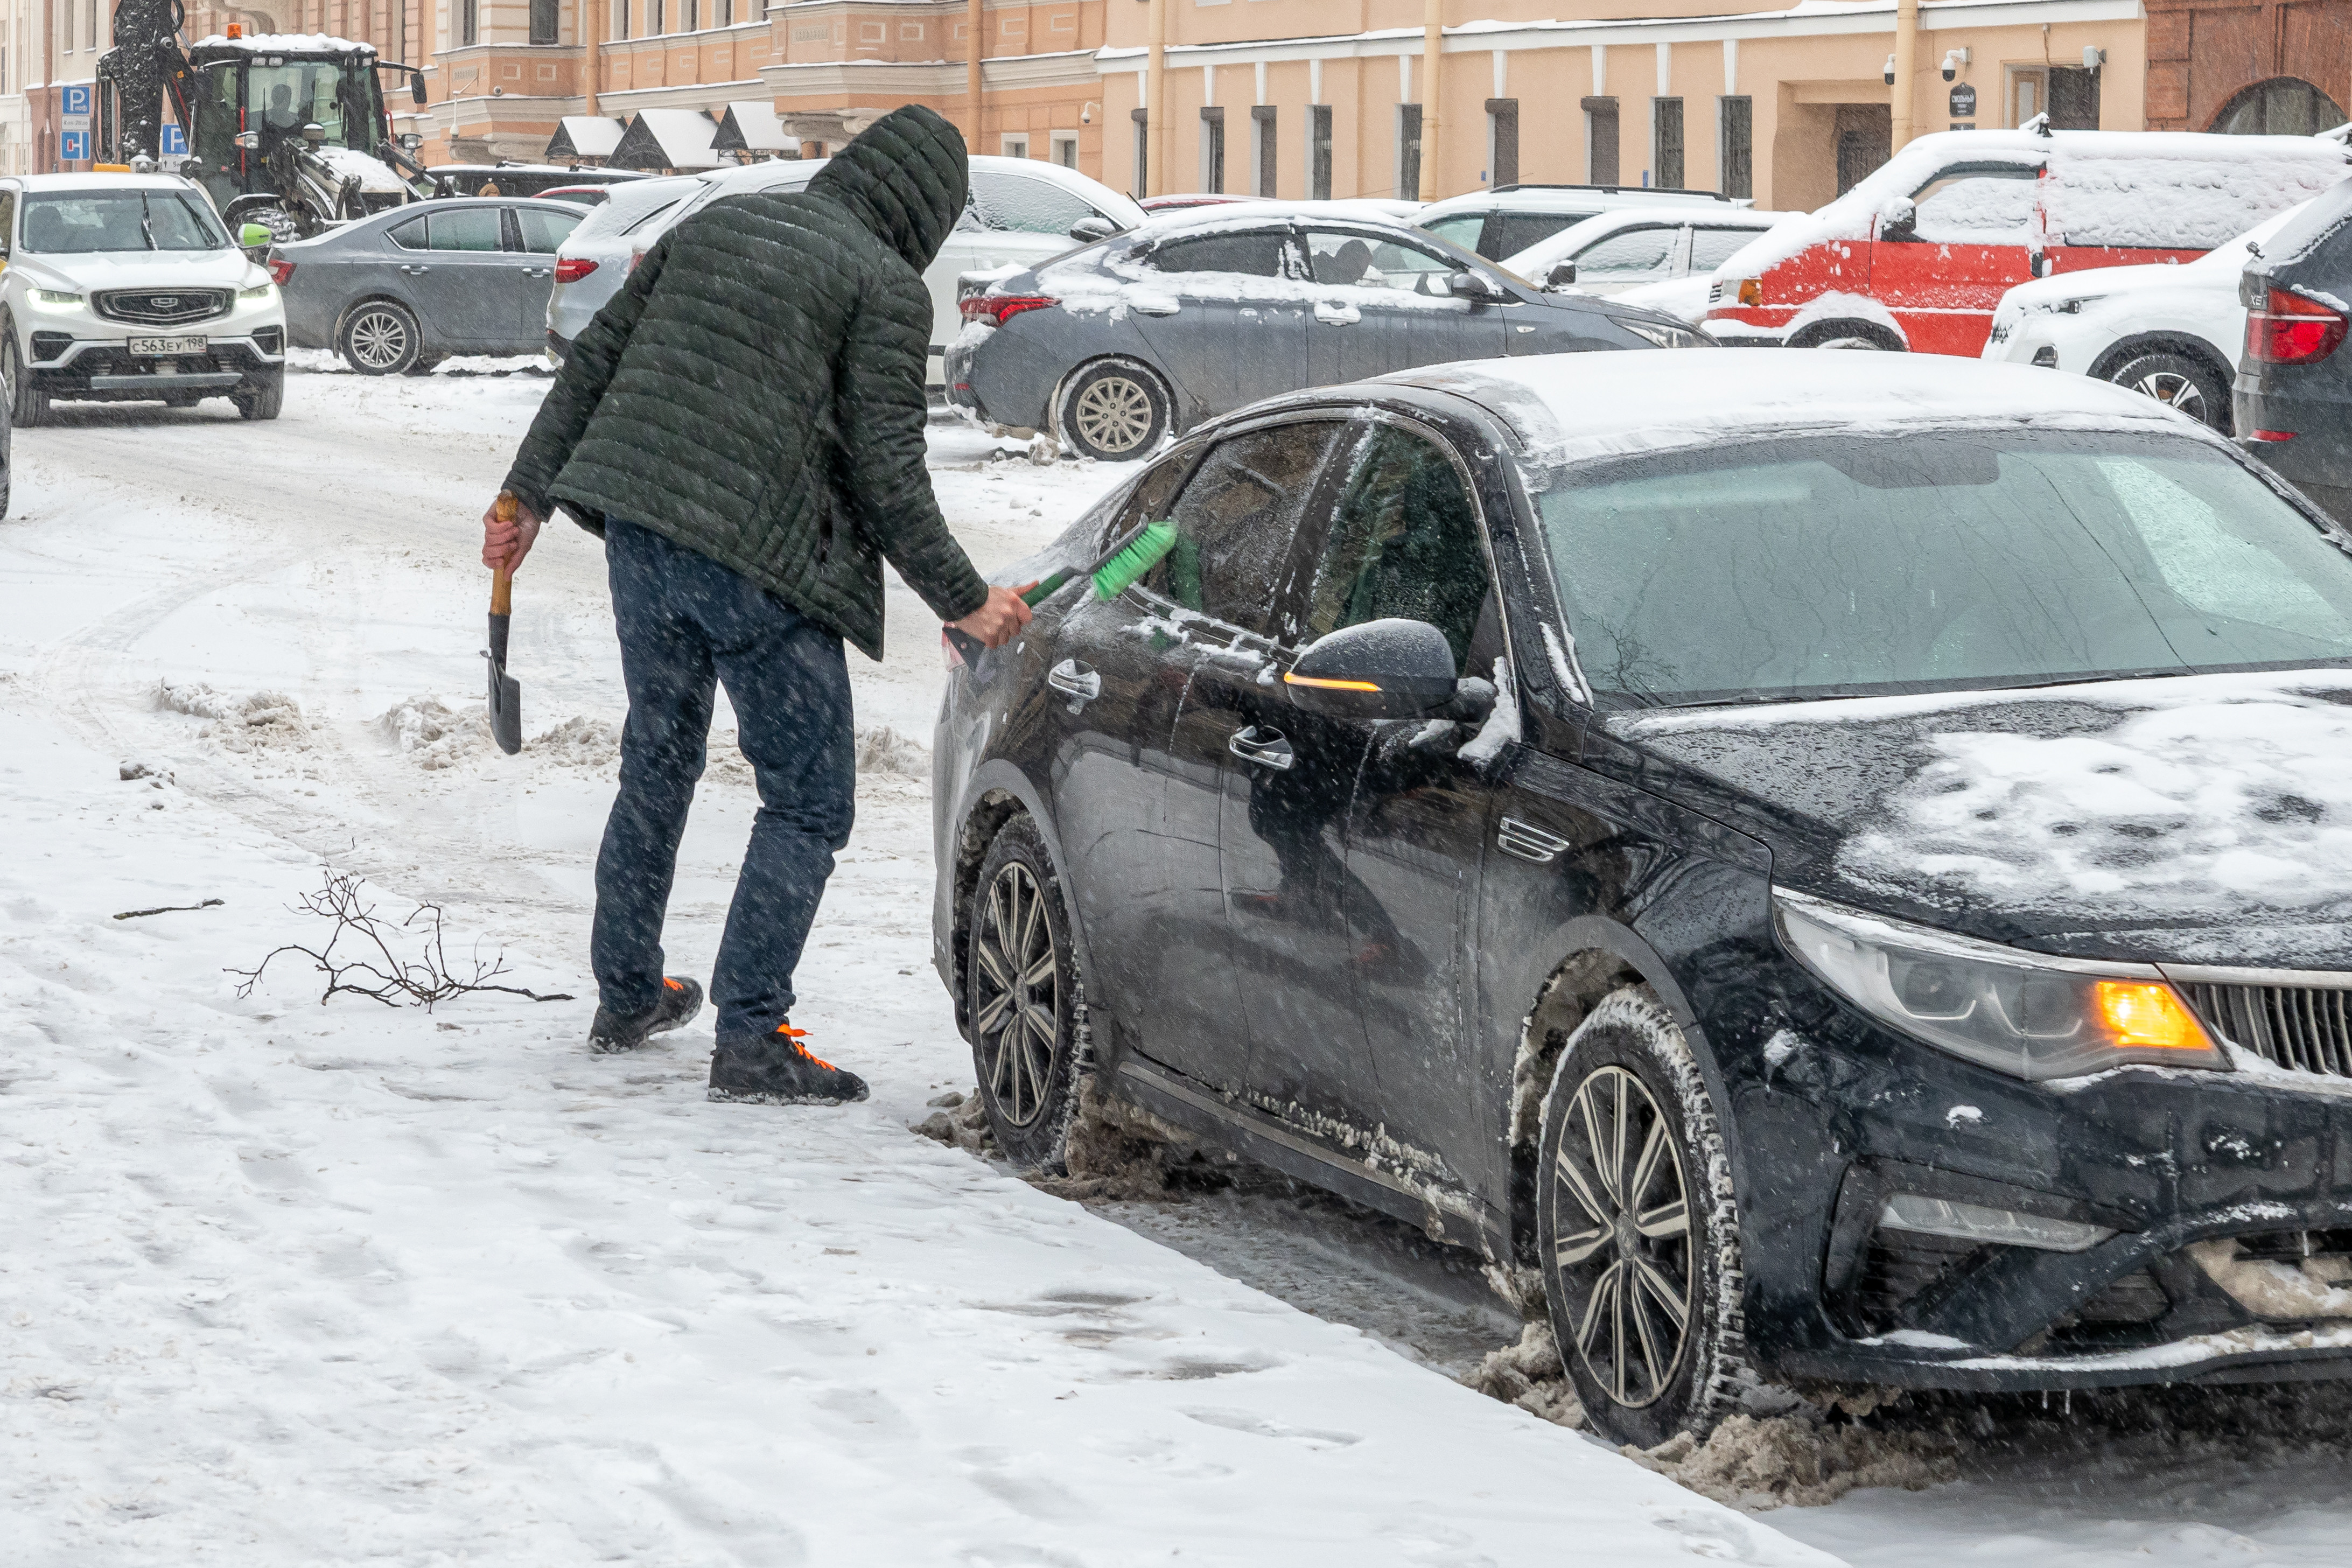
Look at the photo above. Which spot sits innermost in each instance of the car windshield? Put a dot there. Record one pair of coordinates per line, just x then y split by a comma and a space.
1933, 561
82, 221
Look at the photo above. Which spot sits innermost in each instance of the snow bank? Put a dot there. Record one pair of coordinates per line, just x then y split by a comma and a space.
1772, 1461
265, 720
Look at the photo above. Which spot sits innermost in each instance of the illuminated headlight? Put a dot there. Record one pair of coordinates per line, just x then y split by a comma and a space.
1658, 332
2024, 1014
260, 292
55, 299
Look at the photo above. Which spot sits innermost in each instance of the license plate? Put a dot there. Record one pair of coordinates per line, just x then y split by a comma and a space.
167, 345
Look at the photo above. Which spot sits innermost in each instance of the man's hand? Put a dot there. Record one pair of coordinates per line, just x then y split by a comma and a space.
1000, 620
504, 544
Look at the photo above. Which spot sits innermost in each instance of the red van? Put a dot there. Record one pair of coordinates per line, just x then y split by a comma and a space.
1916, 256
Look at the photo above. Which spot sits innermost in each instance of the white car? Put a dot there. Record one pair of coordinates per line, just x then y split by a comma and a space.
1509, 219
1635, 246
1022, 211
2173, 332
121, 287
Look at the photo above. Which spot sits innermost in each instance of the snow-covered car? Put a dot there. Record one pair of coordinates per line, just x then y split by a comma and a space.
1504, 221
1635, 246
399, 291
1114, 345
1834, 879
1022, 210
591, 262
2175, 333
127, 288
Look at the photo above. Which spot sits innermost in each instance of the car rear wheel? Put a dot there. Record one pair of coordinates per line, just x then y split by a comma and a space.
1114, 411
1846, 335
2178, 382
381, 338
1639, 1228
27, 405
1027, 1010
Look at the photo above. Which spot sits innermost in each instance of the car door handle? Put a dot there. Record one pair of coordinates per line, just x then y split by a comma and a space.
539, 271
1082, 685
412, 272
1148, 305
1528, 841
1258, 744
1337, 315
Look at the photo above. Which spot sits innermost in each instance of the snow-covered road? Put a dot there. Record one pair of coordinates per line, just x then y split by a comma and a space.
300, 1285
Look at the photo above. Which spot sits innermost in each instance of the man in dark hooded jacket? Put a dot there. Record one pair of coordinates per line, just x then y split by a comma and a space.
743, 425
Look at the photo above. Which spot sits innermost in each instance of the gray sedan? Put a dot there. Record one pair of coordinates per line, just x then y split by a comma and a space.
1114, 344
404, 289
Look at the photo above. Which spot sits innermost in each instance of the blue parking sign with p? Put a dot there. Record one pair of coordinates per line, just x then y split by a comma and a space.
74, 97
73, 146
175, 142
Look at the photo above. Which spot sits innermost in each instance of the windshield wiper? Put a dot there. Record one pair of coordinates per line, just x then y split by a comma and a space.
146, 229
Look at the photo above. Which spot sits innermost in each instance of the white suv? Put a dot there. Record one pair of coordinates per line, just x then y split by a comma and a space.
120, 288
1509, 219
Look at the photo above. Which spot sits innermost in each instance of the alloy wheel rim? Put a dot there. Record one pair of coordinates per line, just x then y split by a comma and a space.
1019, 1018
1622, 1245
2174, 390
378, 339
1114, 414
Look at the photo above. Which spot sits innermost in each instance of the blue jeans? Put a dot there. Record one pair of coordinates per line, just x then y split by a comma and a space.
685, 622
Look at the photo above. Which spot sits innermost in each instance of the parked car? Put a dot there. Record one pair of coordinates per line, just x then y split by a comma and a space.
1635, 246
1118, 343
578, 195
608, 240
1022, 210
2173, 332
1918, 255
125, 288
397, 294
2293, 391
526, 179
1505, 221
1837, 880
1184, 201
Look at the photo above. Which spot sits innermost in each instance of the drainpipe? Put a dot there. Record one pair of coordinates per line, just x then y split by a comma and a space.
974, 23
1906, 58
593, 15
1155, 104
1432, 41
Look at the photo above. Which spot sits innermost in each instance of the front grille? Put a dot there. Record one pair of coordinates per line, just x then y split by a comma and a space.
2305, 1028
161, 307
1715, 293
2135, 1297
1900, 1267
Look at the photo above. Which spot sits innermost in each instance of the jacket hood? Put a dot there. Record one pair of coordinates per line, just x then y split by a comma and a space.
905, 178
2201, 819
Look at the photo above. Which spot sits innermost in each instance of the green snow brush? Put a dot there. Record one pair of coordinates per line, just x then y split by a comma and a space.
1120, 568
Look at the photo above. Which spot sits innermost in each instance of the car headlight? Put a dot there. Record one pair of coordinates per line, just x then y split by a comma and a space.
58, 299
2026, 1013
1658, 332
258, 292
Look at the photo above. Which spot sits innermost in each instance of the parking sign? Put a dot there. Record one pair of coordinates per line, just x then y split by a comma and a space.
175, 142
73, 99
73, 146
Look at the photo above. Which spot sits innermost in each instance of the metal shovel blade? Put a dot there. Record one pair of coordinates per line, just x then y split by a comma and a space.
506, 692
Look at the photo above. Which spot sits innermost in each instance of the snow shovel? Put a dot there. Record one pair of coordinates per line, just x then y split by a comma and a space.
506, 692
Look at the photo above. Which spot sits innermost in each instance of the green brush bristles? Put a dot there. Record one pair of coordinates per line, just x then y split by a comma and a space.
1118, 574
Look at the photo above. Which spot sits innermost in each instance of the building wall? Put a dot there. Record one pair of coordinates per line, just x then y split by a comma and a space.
2203, 53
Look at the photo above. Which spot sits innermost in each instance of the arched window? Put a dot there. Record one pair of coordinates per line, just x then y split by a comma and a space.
2283, 106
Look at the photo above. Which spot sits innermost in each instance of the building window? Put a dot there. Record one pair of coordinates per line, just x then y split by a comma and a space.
1502, 141
1735, 154
689, 14
1666, 143
1014, 146
1142, 153
1212, 151
1319, 152
656, 17
469, 21
542, 21
1600, 141
1065, 149
1262, 152
1408, 163
2283, 106
620, 18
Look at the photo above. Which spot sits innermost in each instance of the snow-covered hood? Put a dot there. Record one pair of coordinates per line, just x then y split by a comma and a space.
2198, 818
88, 271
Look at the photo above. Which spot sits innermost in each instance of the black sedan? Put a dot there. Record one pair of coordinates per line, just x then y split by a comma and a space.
1851, 887
1118, 344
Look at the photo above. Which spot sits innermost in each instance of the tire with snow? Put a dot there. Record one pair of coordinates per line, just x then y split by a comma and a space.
380, 337
263, 399
1113, 410
28, 405
1846, 335
2178, 382
1639, 1228
1027, 1009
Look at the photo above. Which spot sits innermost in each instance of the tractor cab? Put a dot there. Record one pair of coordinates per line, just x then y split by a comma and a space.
255, 102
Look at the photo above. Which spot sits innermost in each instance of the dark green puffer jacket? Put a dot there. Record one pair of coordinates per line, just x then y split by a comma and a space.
755, 392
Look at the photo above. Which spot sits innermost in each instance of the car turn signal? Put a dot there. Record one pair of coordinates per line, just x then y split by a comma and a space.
1293, 679
2147, 1016
1751, 290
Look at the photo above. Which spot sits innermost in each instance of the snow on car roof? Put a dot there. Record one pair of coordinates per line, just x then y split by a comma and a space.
1569, 198
286, 44
1572, 407
2217, 269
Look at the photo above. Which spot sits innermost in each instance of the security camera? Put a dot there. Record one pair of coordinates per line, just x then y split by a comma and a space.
1953, 60
1890, 71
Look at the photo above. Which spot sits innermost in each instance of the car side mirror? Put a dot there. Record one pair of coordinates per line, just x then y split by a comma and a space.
1899, 223
1475, 287
1562, 275
1380, 670
1087, 230
253, 235
249, 139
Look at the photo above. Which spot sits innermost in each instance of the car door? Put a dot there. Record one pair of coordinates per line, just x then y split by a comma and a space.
456, 269
1970, 237
1221, 317
1712, 245
1225, 585
1382, 303
539, 232
1626, 257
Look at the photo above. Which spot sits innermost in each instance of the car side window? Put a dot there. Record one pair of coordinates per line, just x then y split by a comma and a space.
1254, 254
1148, 501
1018, 204
467, 228
1403, 542
1711, 247
1339, 258
1235, 519
1461, 229
545, 229
409, 235
1974, 205
1511, 233
1628, 253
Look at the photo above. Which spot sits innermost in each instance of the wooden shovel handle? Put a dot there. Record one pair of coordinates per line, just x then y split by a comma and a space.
501, 582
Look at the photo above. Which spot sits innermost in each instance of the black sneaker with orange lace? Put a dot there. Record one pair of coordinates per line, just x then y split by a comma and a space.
680, 1001
777, 1070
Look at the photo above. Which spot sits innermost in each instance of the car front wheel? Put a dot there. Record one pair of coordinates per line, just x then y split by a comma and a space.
27, 405
262, 399
2178, 382
381, 338
1114, 412
1027, 1011
1639, 1228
